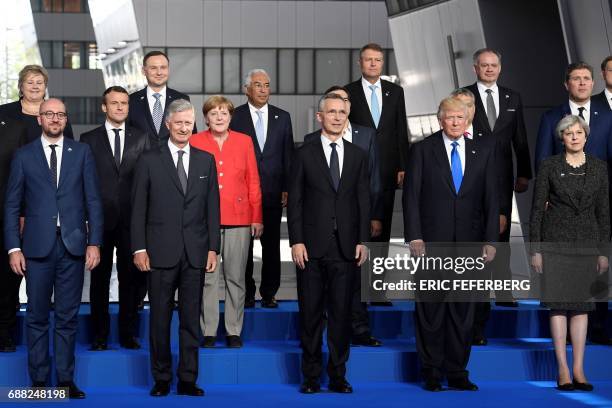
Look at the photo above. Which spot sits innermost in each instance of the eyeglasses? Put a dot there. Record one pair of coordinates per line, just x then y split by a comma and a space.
50, 115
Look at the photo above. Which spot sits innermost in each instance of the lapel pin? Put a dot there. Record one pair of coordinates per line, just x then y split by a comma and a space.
507, 96
562, 174
275, 116
387, 93
70, 149
594, 113
141, 98
473, 151
356, 131
2, 123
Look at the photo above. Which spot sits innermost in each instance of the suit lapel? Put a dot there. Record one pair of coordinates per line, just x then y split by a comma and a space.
193, 173
272, 119
481, 113
107, 147
442, 158
251, 129
42, 159
171, 168
320, 155
471, 154
128, 145
362, 100
144, 105
67, 162
347, 165
504, 97
386, 96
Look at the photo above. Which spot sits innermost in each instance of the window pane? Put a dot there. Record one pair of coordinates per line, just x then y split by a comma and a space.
391, 63
58, 54
305, 72
45, 53
286, 76
355, 68
212, 70
72, 6
231, 70
186, 69
72, 55
262, 59
332, 68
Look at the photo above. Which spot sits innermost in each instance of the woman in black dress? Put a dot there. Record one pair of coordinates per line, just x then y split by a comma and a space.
32, 86
570, 234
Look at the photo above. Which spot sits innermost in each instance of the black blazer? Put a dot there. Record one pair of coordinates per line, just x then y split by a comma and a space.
365, 138
433, 211
140, 115
167, 222
275, 160
116, 183
12, 110
13, 135
509, 133
392, 130
315, 207
601, 100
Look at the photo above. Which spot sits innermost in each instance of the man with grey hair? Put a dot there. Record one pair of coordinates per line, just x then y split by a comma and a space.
270, 128
175, 237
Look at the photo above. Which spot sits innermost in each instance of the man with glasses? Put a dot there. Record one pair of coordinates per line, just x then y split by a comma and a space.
53, 181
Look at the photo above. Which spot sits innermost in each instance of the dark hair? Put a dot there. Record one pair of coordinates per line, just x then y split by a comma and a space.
481, 51
154, 54
605, 62
326, 97
463, 91
577, 65
110, 89
338, 88
371, 46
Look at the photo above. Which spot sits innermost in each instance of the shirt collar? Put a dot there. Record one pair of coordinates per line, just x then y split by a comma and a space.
608, 94
574, 106
110, 127
59, 142
326, 142
482, 87
150, 92
366, 83
263, 109
349, 129
173, 148
448, 140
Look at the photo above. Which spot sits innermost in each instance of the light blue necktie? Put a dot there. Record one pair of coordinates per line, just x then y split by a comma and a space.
374, 107
259, 130
456, 167
158, 112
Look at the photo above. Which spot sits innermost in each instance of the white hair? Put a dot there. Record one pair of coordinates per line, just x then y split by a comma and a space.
179, 105
249, 75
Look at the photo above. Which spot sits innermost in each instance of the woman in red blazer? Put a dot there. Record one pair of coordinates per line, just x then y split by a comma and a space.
241, 217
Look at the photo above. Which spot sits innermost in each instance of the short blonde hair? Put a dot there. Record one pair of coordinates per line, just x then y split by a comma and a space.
31, 70
451, 104
217, 101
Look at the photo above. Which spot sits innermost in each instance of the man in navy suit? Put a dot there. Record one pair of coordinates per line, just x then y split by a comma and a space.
604, 98
270, 128
365, 138
579, 85
148, 106
53, 180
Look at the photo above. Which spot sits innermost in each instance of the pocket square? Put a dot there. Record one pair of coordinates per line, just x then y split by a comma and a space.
203, 177
511, 110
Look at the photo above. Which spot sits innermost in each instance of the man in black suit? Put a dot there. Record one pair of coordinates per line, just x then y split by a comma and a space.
379, 104
499, 115
270, 128
13, 135
148, 106
175, 237
604, 98
365, 138
328, 218
450, 195
116, 148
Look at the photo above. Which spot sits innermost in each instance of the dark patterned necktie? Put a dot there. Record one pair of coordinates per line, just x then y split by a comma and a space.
182, 174
53, 164
117, 153
334, 166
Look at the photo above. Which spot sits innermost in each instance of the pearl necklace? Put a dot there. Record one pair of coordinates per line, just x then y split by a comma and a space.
576, 165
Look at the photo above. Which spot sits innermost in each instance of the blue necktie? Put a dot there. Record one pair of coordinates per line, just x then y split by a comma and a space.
259, 130
374, 107
456, 167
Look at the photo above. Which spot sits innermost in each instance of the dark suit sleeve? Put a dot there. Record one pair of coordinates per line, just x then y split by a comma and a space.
140, 198
295, 206
411, 194
93, 201
363, 190
12, 203
521, 146
287, 153
545, 143
491, 197
214, 212
402, 131
541, 195
376, 202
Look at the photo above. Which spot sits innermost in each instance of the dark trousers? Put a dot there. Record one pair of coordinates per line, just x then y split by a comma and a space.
129, 278
162, 284
60, 273
9, 295
444, 338
388, 199
325, 285
271, 259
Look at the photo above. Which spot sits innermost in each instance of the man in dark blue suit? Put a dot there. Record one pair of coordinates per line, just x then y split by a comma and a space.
579, 84
365, 138
604, 98
270, 128
53, 179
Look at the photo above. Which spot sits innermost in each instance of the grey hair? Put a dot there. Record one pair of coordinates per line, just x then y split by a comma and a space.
569, 121
464, 92
249, 75
179, 105
327, 96
481, 51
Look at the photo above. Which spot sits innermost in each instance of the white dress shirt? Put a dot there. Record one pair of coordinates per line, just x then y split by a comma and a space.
151, 99
608, 97
327, 149
368, 93
264, 118
586, 112
174, 152
460, 148
482, 88
348, 133
111, 136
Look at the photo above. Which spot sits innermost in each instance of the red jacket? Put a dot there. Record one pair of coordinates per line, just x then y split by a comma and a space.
239, 190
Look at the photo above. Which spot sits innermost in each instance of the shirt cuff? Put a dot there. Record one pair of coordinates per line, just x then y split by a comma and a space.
13, 250
136, 252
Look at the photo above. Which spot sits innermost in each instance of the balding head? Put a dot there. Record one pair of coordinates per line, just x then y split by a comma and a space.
52, 118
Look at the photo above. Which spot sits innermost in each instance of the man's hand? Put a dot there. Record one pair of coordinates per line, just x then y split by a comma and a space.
299, 255
521, 185
92, 257
417, 247
488, 253
141, 260
256, 230
361, 254
17, 263
536, 262
284, 198
211, 262
375, 228
602, 264
503, 223
400, 178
